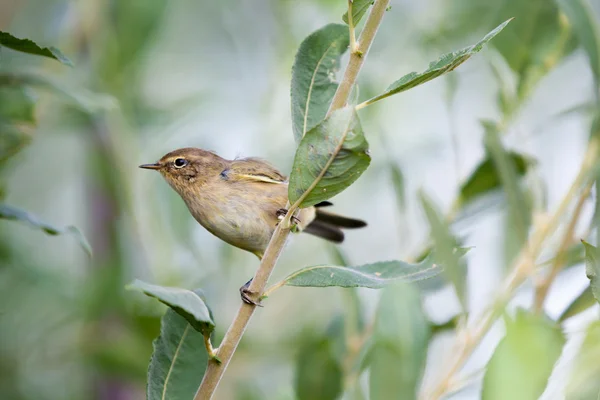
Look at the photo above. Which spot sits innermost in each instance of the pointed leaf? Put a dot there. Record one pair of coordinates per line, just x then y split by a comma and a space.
374, 276
399, 186
519, 209
486, 178
359, 8
584, 301
446, 63
330, 157
184, 302
178, 362
16, 214
586, 27
28, 46
584, 382
313, 76
524, 359
446, 249
592, 268
401, 336
536, 42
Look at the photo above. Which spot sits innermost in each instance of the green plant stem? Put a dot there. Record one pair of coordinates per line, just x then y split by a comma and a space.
468, 340
352, 33
215, 370
357, 57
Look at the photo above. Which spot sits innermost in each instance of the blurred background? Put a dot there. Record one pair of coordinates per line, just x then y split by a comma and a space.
151, 76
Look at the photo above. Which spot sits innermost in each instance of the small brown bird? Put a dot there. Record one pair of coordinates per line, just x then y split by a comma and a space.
241, 201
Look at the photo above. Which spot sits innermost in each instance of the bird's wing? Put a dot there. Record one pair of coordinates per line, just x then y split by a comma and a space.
254, 169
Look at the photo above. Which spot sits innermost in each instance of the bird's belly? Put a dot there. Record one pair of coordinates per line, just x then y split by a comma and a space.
247, 225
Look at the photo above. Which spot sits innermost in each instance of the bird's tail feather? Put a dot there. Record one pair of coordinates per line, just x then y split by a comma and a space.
328, 226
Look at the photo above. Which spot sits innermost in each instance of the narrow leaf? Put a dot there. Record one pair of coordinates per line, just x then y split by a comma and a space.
586, 27
374, 276
486, 178
313, 76
359, 8
523, 361
447, 63
178, 362
401, 336
30, 47
536, 42
330, 157
584, 301
446, 246
16, 214
399, 187
519, 210
592, 268
584, 382
184, 302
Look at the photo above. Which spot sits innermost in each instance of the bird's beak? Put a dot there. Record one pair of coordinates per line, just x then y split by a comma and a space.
151, 166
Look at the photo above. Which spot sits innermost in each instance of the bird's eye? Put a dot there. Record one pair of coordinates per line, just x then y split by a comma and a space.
180, 162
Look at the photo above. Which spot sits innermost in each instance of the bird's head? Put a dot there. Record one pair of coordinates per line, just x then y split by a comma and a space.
185, 169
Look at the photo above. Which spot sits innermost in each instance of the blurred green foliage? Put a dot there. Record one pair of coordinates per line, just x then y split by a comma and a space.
151, 75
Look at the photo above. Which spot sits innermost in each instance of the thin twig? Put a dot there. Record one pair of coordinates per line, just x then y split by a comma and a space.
543, 286
356, 61
214, 371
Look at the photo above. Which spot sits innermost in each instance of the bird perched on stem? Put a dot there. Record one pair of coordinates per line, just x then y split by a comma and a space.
241, 201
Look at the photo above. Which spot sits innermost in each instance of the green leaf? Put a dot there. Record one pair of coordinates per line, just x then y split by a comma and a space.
584, 382
178, 362
330, 157
486, 177
519, 209
523, 361
447, 63
29, 47
313, 76
374, 276
318, 371
399, 186
401, 336
359, 8
587, 30
184, 302
537, 41
16, 214
446, 249
581, 303
592, 268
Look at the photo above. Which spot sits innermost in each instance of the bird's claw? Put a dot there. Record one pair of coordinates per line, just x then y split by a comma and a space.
281, 213
245, 294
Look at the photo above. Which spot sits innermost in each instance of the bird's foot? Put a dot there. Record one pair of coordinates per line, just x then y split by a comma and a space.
245, 293
281, 213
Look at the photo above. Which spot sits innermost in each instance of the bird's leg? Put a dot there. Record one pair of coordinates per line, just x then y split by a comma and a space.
281, 214
245, 293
